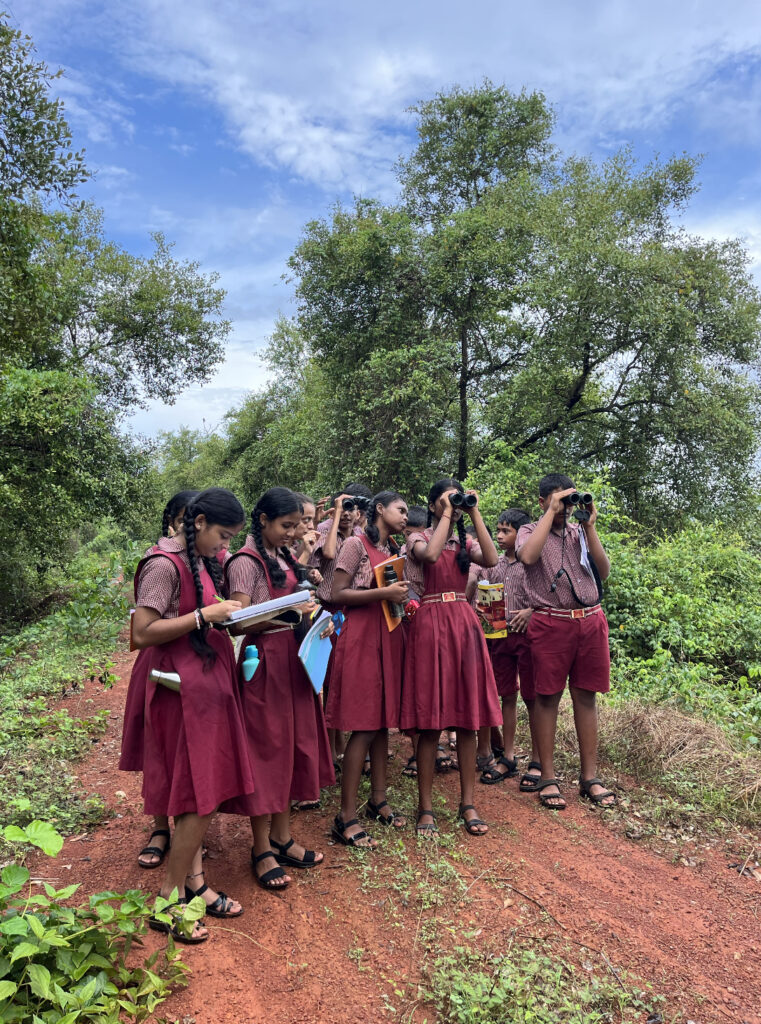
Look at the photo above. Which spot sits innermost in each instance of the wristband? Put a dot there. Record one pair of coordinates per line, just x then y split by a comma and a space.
195, 616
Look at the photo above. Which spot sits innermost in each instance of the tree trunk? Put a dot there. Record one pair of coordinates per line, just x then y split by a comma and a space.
462, 456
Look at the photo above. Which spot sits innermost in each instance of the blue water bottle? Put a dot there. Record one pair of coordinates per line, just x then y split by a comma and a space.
250, 662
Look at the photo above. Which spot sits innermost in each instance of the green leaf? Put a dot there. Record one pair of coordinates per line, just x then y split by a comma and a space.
39, 979
24, 949
15, 877
44, 836
14, 834
15, 926
7, 988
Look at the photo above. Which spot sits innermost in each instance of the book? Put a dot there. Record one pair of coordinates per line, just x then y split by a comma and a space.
314, 652
398, 563
273, 609
490, 608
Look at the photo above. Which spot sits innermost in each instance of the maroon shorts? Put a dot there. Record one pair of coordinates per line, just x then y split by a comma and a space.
569, 649
511, 661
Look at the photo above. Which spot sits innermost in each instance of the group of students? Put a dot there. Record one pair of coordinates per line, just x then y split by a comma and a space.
224, 743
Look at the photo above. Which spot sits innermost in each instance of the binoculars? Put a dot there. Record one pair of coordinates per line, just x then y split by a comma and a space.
458, 500
576, 498
357, 502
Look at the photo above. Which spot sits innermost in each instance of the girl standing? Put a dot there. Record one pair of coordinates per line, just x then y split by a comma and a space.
195, 754
365, 684
449, 680
288, 744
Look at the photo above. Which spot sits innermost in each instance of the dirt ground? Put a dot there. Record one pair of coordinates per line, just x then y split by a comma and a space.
336, 944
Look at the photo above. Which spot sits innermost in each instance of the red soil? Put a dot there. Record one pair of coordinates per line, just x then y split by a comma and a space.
691, 932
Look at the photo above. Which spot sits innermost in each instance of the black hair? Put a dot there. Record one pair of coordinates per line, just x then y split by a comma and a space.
221, 507
357, 490
274, 503
554, 482
304, 499
416, 516
383, 498
173, 507
448, 483
516, 517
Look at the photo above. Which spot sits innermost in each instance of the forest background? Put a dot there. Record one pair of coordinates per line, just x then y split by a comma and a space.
515, 310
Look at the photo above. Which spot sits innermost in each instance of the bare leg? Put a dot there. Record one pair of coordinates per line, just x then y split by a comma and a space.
160, 823
466, 755
354, 760
545, 726
378, 764
585, 720
426, 757
530, 706
189, 830
280, 831
195, 880
509, 723
484, 752
260, 826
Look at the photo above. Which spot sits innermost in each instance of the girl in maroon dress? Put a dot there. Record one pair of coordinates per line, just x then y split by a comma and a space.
449, 682
153, 853
366, 682
195, 755
288, 744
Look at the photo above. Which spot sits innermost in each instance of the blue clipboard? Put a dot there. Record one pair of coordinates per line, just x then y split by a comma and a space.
314, 652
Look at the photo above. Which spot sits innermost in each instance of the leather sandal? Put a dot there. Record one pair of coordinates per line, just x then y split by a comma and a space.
410, 769
266, 880
431, 829
492, 775
471, 824
284, 858
340, 826
528, 783
154, 851
550, 800
374, 813
585, 786
443, 763
221, 905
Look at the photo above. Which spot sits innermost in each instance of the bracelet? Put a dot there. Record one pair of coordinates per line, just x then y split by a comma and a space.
198, 621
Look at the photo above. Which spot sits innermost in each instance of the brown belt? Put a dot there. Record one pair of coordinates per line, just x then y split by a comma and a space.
569, 613
450, 595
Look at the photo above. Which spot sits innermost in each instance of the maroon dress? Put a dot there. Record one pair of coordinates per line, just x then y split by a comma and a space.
133, 726
287, 739
448, 678
366, 680
194, 749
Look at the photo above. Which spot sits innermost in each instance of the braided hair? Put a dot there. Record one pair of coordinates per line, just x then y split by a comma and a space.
274, 503
448, 483
219, 507
174, 507
384, 498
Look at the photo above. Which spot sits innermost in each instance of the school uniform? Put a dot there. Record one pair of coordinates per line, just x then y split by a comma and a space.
366, 676
287, 740
448, 679
569, 637
510, 655
190, 746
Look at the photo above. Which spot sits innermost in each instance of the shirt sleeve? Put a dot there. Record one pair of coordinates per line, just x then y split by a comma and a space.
246, 575
349, 558
523, 535
159, 587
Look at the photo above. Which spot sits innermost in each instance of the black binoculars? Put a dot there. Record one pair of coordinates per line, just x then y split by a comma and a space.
458, 500
576, 498
358, 502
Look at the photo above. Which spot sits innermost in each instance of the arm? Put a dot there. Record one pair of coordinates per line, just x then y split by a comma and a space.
487, 556
341, 592
596, 550
149, 629
307, 544
330, 544
431, 551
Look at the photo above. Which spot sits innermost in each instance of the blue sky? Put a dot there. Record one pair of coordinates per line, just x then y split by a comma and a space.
227, 125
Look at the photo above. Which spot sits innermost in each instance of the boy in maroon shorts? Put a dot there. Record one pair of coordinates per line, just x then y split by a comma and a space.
568, 632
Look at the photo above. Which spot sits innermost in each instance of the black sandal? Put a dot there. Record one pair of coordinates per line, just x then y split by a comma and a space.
443, 762
340, 826
471, 824
545, 799
410, 769
491, 775
221, 905
528, 783
428, 831
367, 767
484, 762
155, 851
585, 785
306, 805
374, 813
293, 862
266, 880
174, 929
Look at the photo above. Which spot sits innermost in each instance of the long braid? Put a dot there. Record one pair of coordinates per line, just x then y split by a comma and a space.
463, 558
214, 570
198, 640
299, 570
166, 518
371, 530
277, 576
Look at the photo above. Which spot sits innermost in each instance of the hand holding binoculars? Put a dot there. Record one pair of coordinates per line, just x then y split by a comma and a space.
358, 502
458, 500
581, 500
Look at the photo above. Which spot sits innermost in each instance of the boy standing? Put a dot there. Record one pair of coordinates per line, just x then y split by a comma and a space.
568, 632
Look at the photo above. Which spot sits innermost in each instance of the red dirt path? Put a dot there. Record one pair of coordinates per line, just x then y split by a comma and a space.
692, 933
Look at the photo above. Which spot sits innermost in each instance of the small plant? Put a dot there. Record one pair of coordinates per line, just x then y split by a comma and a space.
60, 963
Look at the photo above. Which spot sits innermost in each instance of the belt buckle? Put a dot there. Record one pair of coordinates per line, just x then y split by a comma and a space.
449, 596
577, 613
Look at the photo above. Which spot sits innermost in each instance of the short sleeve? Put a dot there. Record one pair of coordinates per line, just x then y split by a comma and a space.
523, 535
349, 558
159, 586
246, 575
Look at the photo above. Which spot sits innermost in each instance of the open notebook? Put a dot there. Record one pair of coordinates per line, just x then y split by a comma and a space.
269, 610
